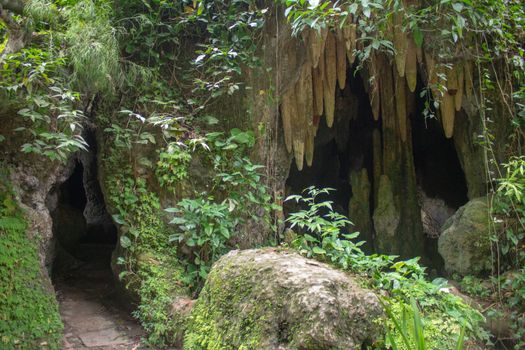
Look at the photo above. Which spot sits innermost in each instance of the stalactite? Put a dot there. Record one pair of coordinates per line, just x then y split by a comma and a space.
388, 108
350, 35
411, 64
303, 94
419, 54
401, 108
313, 46
341, 59
400, 43
288, 109
314, 42
309, 144
448, 113
452, 81
433, 72
458, 98
330, 78
317, 86
306, 90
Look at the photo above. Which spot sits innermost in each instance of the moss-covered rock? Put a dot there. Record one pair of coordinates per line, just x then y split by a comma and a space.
29, 316
276, 299
464, 242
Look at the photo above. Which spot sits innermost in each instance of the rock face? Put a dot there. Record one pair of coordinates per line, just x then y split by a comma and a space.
276, 299
464, 243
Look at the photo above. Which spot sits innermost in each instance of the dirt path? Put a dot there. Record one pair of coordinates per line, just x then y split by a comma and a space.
94, 317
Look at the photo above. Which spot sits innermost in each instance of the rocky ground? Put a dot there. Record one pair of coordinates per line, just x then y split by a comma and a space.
94, 315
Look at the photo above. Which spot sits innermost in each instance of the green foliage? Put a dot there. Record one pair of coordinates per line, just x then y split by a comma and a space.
412, 334
31, 78
93, 49
160, 284
237, 196
402, 281
29, 317
149, 265
474, 286
172, 167
205, 226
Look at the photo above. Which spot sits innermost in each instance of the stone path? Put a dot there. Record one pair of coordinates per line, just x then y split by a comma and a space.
94, 316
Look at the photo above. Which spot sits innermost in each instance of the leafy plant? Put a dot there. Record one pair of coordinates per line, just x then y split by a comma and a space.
237, 196
50, 115
172, 166
412, 333
205, 227
322, 237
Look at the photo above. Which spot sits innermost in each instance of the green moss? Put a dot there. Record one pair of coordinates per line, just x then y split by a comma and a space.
148, 261
216, 321
29, 317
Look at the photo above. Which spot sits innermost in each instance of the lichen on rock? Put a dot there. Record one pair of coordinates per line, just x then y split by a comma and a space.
464, 242
277, 299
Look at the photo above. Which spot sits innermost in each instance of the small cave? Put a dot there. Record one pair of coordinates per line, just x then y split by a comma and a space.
83, 231
93, 306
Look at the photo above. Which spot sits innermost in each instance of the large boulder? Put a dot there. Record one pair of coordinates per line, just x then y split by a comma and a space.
277, 299
464, 241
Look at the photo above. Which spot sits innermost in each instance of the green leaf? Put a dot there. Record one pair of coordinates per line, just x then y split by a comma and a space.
319, 251
457, 6
125, 242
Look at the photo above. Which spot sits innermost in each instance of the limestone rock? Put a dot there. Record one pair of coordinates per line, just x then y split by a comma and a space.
359, 205
386, 215
464, 241
277, 299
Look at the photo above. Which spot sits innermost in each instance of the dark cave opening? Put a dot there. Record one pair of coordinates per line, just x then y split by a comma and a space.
91, 299
438, 170
344, 160
83, 231
442, 186
341, 152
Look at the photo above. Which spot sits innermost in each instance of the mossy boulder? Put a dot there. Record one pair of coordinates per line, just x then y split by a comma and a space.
277, 299
464, 241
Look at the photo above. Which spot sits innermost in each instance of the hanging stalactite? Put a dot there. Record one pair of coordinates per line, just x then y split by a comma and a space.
411, 64
341, 59
448, 113
288, 109
310, 144
330, 78
400, 42
317, 87
401, 108
350, 36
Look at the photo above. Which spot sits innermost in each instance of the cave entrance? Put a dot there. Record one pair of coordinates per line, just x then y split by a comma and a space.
343, 159
441, 182
83, 230
350, 157
94, 309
